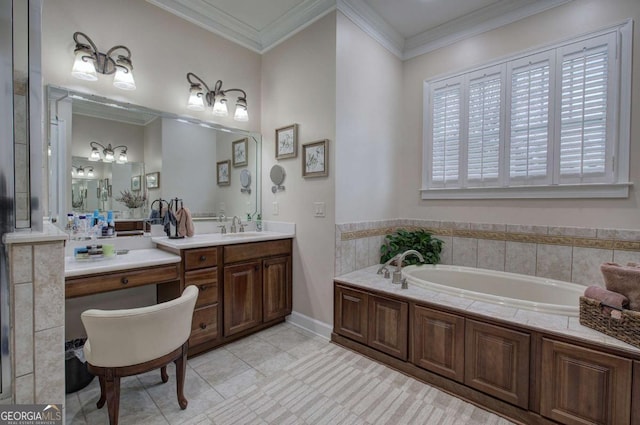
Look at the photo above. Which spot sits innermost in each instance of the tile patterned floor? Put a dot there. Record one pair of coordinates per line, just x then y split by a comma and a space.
281, 375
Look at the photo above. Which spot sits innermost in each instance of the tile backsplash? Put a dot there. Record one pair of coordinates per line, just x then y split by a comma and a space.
571, 254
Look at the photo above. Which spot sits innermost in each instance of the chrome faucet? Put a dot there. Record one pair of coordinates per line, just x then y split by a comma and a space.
397, 274
383, 268
233, 224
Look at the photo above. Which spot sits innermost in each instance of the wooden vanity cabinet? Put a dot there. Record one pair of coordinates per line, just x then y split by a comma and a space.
257, 284
242, 297
350, 314
201, 270
438, 342
583, 386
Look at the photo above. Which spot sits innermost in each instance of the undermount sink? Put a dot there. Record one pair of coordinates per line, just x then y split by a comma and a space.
242, 234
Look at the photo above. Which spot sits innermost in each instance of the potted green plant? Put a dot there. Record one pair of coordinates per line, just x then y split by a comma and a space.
420, 240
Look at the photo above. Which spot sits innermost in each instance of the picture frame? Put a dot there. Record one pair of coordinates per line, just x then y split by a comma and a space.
223, 173
240, 152
153, 180
315, 159
136, 182
287, 142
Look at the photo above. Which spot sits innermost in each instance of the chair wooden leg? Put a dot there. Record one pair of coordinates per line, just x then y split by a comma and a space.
103, 393
181, 368
163, 374
112, 384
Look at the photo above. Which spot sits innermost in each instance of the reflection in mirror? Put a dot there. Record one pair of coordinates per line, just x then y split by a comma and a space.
181, 151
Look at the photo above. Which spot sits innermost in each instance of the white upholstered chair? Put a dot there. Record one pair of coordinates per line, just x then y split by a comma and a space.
128, 342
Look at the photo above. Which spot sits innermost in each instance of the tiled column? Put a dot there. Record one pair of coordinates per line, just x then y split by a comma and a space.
37, 320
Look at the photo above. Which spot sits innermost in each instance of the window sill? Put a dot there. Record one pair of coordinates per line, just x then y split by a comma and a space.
614, 190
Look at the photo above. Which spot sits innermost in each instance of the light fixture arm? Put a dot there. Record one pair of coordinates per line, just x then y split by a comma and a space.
105, 63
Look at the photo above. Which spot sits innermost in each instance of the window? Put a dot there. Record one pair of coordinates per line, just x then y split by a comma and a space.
551, 123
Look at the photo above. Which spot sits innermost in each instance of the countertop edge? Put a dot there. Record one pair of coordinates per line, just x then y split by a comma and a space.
159, 258
228, 240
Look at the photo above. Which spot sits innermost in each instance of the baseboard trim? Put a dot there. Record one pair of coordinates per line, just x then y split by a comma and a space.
316, 327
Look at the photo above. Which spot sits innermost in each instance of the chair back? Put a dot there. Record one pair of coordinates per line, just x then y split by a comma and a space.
118, 338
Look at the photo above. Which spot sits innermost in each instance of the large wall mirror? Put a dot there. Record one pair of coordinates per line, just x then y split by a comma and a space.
167, 157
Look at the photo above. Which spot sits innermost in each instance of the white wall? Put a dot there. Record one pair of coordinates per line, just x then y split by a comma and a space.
563, 22
163, 47
298, 86
368, 126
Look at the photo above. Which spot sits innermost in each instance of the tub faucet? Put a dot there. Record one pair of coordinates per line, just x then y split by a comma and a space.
383, 268
397, 274
233, 224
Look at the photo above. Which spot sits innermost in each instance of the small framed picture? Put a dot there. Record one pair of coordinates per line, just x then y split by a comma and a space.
136, 183
153, 180
240, 152
223, 175
287, 142
315, 159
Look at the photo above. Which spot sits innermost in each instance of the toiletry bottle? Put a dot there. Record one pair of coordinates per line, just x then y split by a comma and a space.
82, 227
69, 226
111, 228
259, 223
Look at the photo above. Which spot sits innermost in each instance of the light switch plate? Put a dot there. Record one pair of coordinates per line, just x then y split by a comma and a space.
319, 209
275, 208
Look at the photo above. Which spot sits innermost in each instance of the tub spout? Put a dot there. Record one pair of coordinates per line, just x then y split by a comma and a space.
397, 274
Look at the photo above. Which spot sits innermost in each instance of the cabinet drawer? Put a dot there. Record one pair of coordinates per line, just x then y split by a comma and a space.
120, 280
207, 282
204, 326
200, 258
252, 251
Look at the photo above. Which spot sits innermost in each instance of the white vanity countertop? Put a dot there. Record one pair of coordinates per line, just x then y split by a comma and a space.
49, 233
560, 324
214, 239
136, 258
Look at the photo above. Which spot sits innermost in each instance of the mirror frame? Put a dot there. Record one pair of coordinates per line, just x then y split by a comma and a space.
62, 167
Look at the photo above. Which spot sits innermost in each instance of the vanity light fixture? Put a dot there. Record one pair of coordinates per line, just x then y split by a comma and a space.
108, 153
89, 61
82, 171
201, 96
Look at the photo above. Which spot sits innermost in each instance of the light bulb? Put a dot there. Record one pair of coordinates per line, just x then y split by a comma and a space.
220, 108
122, 158
196, 99
95, 155
124, 76
241, 113
108, 156
83, 66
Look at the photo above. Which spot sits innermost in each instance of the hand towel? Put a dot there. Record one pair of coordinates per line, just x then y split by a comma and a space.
185, 222
154, 217
607, 298
167, 221
624, 280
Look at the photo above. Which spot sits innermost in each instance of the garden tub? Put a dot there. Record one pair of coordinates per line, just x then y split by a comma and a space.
510, 289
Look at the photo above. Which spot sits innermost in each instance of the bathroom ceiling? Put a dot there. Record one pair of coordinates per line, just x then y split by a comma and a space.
406, 27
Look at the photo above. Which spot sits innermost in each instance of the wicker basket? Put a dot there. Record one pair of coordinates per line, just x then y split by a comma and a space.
626, 329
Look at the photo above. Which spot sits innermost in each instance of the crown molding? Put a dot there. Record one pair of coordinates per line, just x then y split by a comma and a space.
372, 24
489, 18
501, 13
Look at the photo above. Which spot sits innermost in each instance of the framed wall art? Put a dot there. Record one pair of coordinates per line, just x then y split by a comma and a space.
222, 173
287, 142
240, 152
153, 180
136, 182
315, 159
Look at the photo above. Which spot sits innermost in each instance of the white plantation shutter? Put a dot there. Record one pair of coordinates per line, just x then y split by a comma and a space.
584, 69
484, 128
445, 156
547, 124
529, 121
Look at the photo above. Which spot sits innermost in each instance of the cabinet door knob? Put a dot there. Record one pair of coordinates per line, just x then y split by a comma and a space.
266, 266
203, 326
124, 280
203, 287
203, 258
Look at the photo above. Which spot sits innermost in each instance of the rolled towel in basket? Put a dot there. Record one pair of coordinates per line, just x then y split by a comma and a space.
624, 280
607, 298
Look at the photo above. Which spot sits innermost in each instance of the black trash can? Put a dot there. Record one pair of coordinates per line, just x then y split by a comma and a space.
76, 374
